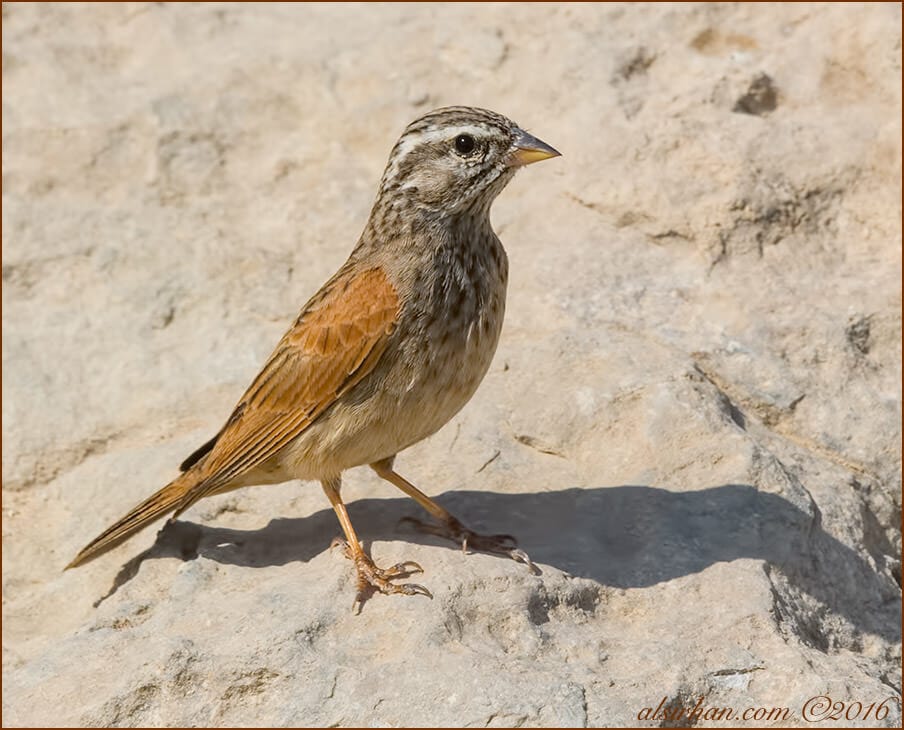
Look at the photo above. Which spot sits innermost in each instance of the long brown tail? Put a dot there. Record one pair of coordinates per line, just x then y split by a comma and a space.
166, 500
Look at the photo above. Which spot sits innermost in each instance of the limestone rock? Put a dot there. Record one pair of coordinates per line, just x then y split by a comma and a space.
692, 423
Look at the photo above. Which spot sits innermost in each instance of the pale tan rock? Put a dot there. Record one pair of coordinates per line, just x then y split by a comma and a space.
692, 422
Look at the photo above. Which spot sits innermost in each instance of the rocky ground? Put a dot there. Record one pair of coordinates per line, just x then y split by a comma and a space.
692, 422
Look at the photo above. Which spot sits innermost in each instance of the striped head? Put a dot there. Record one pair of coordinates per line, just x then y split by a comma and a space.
456, 160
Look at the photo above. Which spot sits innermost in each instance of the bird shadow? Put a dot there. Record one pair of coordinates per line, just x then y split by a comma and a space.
621, 536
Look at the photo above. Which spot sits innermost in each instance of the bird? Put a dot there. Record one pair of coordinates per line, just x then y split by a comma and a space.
389, 349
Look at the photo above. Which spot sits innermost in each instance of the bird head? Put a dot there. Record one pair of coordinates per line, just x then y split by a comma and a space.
457, 160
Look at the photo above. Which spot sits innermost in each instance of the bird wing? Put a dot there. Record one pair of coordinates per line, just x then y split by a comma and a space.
335, 342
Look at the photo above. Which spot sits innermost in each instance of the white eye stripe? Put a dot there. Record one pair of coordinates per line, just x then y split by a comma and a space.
450, 132
437, 134
432, 134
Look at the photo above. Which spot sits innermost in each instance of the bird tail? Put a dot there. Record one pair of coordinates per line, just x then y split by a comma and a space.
171, 497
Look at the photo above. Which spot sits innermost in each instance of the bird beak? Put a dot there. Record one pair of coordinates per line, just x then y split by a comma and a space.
528, 149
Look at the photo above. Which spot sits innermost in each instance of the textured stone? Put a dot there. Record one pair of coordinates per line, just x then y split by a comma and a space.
692, 423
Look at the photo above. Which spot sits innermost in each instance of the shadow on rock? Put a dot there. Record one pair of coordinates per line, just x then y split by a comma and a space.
622, 537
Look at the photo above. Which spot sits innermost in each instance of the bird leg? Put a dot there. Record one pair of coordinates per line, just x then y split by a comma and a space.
449, 526
370, 577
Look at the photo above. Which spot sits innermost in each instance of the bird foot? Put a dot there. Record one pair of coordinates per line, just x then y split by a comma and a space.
372, 579
453, 530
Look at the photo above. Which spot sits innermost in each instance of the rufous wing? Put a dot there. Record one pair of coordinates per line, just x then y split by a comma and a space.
335, 342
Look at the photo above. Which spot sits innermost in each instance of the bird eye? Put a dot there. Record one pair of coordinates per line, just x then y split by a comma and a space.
464, 144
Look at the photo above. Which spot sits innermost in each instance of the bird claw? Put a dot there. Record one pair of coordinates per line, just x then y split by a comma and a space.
339, 542
414, 589
486, 543
373, 579
457, 532
522, 557
408, 567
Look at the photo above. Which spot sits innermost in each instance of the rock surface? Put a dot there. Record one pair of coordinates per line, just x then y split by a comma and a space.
692, 423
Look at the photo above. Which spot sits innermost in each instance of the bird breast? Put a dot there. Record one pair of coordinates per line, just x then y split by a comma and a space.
455, 327
444, 342
438, 354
